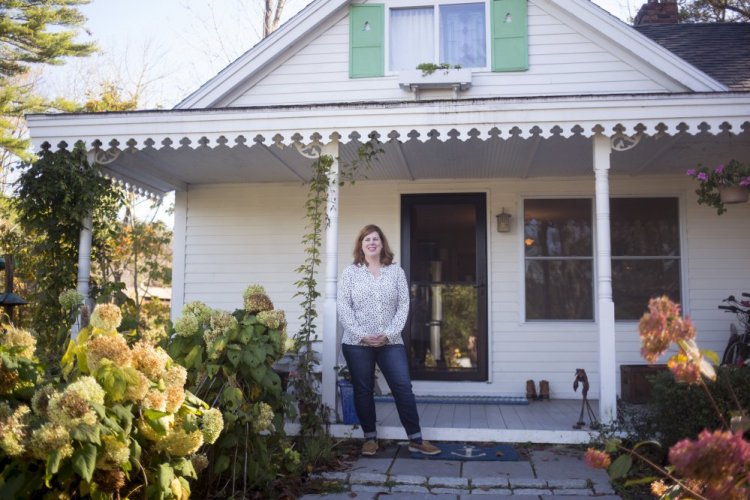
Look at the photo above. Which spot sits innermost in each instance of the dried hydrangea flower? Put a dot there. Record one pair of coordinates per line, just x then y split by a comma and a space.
200, 462
597, 459
48, 438
154, 336
18, 337
187, 325
265, 417
137, 391
180, 443
197, 309
114, 454
661, 326
13, 428
175, 396
176, 375
273, 320
111, 347
106, 317
152, 361
213, 424
256, 300
70, 299
155, 400
40, 400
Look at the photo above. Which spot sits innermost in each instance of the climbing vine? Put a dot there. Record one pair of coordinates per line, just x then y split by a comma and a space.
313, 414
54, 194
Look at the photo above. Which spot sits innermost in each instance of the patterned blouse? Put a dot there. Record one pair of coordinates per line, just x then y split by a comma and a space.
368, 305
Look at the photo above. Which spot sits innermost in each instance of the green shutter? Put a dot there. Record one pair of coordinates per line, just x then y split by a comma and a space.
366, 40
510, 35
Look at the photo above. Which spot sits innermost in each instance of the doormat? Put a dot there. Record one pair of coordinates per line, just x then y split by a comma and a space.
471, 452
463, 400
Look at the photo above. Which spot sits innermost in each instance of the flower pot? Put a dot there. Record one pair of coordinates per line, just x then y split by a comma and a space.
348, 413
733, 194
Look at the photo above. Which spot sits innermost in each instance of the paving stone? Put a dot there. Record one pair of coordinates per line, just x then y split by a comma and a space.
369, 488
453, 491
560, 462
454, 482
408, 479
416, 496
377, 465
497, 468
603, 488
367, 477
568, 483
429, 468
334, 476
527, 482
409, 488
581, 492
498, 492
340, 496
532, 491
489, 482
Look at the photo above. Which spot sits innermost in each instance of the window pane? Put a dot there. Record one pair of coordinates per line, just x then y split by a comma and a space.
634, 282
555, 228
644, 226
412, 39
559, 289
462, 35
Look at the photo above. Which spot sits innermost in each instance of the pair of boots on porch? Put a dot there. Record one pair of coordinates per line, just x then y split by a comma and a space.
531, 393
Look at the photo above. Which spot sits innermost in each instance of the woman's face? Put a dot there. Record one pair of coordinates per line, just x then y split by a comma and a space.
372, 246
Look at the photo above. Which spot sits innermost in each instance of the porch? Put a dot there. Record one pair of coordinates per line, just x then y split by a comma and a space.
538, 422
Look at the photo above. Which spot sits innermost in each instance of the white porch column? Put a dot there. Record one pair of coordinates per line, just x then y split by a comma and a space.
330, 280
84, 268
607, 366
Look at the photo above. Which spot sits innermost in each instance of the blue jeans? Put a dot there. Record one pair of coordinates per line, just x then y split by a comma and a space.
392, 361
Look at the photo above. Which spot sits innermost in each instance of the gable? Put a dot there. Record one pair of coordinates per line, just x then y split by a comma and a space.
574, 48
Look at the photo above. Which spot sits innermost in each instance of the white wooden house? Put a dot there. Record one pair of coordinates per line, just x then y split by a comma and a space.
575, 123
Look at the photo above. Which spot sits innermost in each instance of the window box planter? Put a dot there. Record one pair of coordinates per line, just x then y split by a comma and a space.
733, 194
415, 80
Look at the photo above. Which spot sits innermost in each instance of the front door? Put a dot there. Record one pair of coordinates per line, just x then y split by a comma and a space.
444, 255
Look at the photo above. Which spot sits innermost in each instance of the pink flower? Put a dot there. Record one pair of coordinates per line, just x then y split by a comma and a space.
684, 369
690, 172
721, 459
661, 326
703, 176
597, 459
745, 182
719, 169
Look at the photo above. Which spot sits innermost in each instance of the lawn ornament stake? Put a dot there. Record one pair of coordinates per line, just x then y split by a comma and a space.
584, 379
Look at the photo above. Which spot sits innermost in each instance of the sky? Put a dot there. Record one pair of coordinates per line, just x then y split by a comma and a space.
173, 46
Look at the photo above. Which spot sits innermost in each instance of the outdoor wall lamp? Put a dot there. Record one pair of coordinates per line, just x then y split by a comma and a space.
503, 222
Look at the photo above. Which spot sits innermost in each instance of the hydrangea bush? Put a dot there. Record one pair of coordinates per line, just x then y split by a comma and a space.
229, 358
121, 426
716, 465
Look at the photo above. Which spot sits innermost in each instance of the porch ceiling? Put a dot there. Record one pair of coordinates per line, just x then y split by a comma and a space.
160, 151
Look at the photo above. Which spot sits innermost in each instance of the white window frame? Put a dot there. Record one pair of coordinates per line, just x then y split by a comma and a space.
435, 4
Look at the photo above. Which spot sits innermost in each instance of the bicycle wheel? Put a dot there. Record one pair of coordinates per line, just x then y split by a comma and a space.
735, 354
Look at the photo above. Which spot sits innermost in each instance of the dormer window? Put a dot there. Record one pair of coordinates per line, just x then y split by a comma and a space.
479, 35
451, 33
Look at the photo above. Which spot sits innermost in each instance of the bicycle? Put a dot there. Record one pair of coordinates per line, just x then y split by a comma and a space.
737, 352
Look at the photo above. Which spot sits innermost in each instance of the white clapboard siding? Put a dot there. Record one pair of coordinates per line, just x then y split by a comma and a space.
241, 234
562, 61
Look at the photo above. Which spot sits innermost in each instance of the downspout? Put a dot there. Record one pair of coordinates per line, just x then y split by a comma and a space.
607, 359
84, 269
330, 338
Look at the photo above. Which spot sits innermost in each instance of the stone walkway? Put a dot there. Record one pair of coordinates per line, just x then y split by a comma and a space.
393, 474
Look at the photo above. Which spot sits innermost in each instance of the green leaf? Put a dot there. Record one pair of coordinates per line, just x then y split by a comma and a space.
711, 355
250, 358
193, 357
157, 420
185, 468
611, 445
620, 467
53, 465
246, 334
644, 443
164, 476
641, 480
234, 357
212, 369
84, 461
221, 464
86, 434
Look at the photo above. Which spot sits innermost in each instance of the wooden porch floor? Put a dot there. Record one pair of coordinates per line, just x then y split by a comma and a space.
538, 422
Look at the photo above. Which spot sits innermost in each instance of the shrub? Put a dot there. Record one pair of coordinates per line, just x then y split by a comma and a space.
692, 404
121, 426
230, 358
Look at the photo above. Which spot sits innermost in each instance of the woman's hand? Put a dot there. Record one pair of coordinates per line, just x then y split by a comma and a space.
378, 340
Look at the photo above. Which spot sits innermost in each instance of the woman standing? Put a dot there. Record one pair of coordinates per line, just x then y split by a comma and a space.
373, 303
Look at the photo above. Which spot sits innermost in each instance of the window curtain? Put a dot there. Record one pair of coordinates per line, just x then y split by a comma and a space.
462, 33
412, 38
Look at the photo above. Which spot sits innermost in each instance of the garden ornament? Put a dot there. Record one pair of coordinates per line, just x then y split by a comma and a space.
584, 379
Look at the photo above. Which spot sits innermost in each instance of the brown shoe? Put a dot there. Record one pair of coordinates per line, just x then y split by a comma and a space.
425, 448
370, 448
530, 390
544, 390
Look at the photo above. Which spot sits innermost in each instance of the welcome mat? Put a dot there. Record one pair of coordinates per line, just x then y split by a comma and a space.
473, 452
463, 400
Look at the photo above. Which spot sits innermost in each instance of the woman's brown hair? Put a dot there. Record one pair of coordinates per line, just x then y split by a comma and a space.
386, 255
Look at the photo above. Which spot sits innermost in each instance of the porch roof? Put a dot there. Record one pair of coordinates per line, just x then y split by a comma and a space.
158, 151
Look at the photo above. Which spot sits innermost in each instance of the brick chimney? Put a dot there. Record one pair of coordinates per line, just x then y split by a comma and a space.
657, 12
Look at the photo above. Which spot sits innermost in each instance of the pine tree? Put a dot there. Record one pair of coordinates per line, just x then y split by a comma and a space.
32, 32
